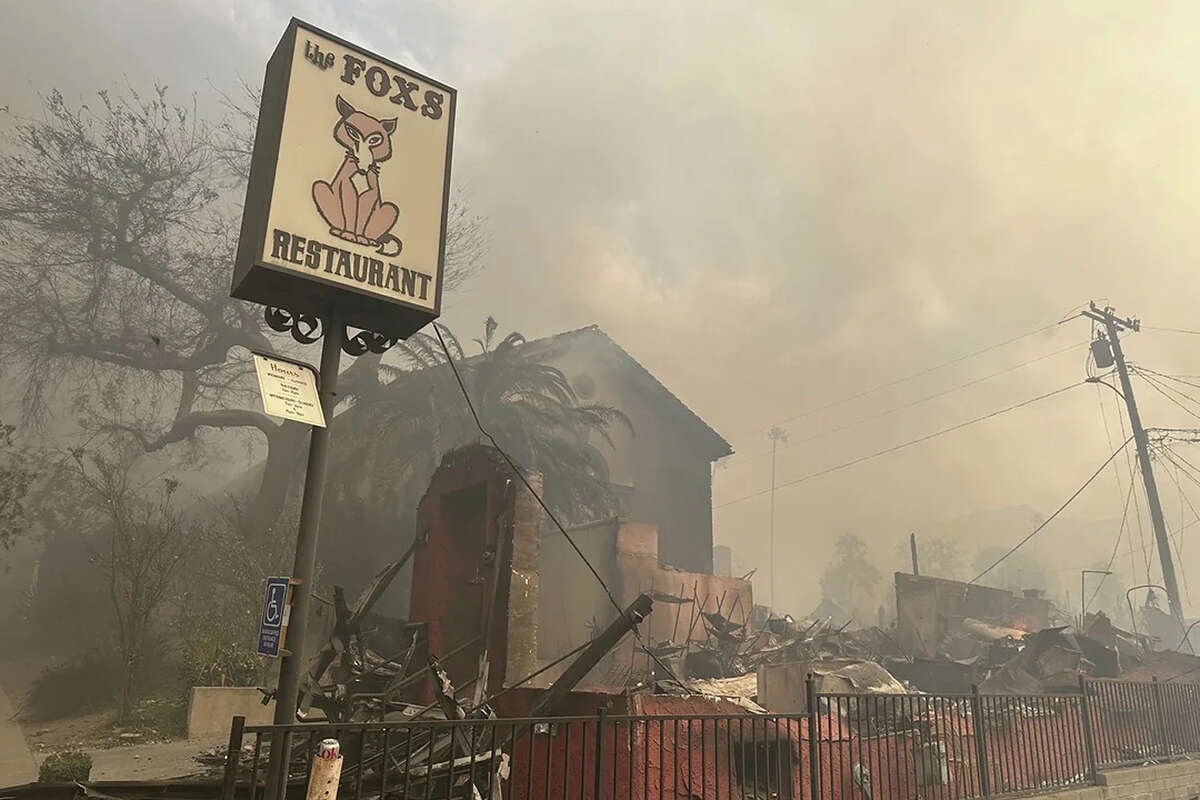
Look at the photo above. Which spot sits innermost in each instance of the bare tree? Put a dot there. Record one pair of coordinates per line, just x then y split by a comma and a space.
16, 480
143, 548
120, 222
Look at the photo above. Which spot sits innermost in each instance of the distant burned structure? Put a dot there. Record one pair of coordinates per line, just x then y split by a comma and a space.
931, 611
488, 577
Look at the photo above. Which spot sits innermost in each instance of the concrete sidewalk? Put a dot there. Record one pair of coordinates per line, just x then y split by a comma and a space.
16, 761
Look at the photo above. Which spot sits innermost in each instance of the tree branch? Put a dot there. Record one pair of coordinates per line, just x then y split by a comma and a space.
127, 351
188, 424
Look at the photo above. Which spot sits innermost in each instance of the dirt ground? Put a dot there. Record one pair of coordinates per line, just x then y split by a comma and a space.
141, 755
17, 674
145, 761
92, 730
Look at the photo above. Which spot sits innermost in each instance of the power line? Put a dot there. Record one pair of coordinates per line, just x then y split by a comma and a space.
1117, 472
1162, 390
1117, 475
1171, 456
1145, 374
1188, 473
1132, 550
926, 399
919, 373
1179, 542
1193, 432
901, 446
1179, 531
1169, 330
1182, 499
1108, 439
1176, 378
1137, 507
1116, 546
520, 473
1172, 453
1060, 509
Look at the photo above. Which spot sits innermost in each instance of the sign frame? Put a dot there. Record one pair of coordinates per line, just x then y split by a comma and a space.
259, 281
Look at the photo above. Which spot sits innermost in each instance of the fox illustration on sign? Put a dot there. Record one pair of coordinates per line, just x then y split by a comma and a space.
351, 202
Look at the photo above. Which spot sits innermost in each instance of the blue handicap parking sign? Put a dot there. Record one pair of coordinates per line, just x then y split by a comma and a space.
274, 615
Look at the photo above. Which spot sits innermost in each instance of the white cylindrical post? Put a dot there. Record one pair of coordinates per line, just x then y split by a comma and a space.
326, 771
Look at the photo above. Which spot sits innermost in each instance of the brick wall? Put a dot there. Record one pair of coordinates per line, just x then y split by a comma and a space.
1179, 781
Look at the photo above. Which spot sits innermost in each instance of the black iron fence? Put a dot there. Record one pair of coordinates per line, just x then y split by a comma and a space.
564, 758
932, 747
949, 746
1139, 722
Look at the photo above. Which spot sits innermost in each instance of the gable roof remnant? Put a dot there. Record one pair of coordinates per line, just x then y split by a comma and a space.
712, 442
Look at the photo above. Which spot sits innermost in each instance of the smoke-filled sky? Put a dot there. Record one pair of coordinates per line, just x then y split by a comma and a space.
778, 204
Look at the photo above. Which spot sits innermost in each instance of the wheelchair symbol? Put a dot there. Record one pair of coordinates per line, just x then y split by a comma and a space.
273, 615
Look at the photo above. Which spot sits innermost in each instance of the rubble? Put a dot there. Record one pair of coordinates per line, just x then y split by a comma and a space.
1051, 660
741, 690
714, 648
860, 677
994, 648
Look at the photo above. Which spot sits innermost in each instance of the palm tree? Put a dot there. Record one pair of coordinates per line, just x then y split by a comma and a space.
402, 427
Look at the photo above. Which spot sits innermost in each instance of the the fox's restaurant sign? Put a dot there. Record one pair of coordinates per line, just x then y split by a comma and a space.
349, 187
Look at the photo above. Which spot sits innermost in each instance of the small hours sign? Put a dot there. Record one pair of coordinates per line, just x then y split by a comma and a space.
289, 390
349, 187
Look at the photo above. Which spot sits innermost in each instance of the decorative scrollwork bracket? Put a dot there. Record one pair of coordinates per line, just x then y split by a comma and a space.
304, 328
366, 341
308, 328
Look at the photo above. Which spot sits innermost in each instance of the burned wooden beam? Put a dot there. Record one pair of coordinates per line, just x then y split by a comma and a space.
629, 619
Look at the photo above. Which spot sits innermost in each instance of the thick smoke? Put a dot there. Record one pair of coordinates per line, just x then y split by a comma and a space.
777, 205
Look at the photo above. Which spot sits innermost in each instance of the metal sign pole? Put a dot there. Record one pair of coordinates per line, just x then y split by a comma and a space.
320, 235
291, 667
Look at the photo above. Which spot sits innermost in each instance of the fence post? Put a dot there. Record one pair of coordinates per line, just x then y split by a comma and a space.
1161, 717
1089, 739
981, 760
601, 718
814, 738
233, 755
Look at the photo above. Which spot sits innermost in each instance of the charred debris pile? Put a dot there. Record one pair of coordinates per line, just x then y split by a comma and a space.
727, 655
757, 662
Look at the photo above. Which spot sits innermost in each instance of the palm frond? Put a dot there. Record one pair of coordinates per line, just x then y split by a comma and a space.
407, 423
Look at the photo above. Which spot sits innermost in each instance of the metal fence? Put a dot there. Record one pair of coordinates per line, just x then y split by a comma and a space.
565, 758
1146, 721
949, 746
932, 747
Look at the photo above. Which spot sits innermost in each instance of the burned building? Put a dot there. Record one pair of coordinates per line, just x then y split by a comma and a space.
662, 469
659, 467
488, 577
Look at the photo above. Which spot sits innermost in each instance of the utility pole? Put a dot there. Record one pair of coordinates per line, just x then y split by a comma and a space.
912, 545
1112, 326
776, 435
